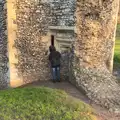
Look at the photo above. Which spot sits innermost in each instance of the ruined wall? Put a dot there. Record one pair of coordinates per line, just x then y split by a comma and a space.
93, 51
32, 19
63, 12
3, 46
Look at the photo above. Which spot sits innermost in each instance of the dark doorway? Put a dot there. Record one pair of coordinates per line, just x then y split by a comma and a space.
52, 40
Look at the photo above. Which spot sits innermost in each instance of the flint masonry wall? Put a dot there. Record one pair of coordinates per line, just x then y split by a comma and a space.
3, 46
93, 51
32, 64
62, 15
63, 12
32, 19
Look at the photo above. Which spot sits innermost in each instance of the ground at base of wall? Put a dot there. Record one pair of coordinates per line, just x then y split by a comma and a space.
42, 103
117, 74
102, 113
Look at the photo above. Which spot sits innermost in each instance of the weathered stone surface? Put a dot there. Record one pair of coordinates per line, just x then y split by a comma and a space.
63, 12
3, 47
93, 51
32, 22
65, 66
93, 48
33, 19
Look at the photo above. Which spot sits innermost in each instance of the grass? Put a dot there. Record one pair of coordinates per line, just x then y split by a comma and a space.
42, 104
117, 60
117, 48
118, 31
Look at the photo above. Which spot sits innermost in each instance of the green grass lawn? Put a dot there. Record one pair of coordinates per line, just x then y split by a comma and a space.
118, 31
117, 45
117, 48
42, 104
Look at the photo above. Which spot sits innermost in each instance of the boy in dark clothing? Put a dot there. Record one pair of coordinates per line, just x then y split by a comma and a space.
54, 59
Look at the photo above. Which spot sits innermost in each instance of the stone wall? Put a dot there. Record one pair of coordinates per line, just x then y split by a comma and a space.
27, 52
3, 46
63, 12
32, 18
93, 51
